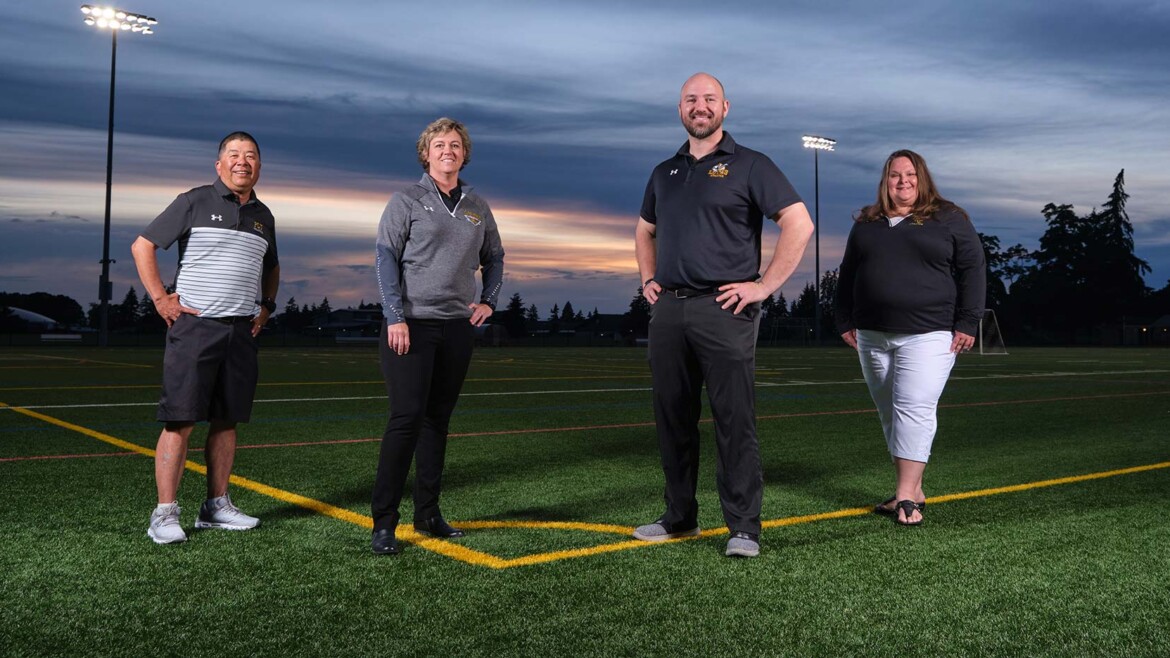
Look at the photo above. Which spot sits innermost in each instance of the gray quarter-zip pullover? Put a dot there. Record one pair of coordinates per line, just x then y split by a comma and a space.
427, 255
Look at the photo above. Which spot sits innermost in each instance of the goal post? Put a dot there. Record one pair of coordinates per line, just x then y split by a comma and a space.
990, 339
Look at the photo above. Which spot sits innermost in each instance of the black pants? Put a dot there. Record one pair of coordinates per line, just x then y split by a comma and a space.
422, 386
691, 341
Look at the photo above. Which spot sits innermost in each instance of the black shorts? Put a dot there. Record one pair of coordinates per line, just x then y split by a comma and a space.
209, 370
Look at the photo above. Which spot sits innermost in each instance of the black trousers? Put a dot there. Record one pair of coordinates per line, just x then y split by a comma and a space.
691, 341
422, 386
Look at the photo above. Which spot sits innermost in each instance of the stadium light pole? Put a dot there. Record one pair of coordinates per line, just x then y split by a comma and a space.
817, 144
114, 20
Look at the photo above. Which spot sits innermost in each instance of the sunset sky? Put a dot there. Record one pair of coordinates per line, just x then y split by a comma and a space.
569, 105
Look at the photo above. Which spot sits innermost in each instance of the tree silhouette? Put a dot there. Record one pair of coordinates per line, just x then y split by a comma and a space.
636, 322
554, 319
1085, 272
513, 316
805, 305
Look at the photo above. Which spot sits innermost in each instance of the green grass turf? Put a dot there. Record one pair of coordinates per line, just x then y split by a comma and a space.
1069, 570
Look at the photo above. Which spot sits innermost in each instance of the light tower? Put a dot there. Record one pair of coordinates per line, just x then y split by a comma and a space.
114, 20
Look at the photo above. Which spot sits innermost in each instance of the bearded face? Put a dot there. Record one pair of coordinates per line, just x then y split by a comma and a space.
702, 106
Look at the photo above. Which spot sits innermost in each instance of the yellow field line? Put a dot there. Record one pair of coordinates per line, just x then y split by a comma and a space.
80, 361
479, 558
379, 382
404, 532
66, 366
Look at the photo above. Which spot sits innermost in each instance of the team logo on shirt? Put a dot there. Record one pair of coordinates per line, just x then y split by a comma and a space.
719, 171
258, 227
217, 218
473, 218
917, 221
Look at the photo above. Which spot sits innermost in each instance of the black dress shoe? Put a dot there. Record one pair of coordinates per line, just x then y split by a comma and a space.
437, 527
384, 542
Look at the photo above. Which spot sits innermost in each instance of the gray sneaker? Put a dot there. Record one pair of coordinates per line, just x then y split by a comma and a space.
164, 525
660, 530
742, 544
221, 514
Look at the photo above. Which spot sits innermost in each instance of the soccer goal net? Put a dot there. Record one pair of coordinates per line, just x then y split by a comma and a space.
990, 339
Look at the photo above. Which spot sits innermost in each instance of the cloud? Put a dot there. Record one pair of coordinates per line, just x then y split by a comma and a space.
570, 105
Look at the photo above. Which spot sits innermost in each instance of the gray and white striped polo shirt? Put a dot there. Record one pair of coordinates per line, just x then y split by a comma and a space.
224, 249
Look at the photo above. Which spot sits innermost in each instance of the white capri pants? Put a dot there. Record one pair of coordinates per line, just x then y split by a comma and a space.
906, 374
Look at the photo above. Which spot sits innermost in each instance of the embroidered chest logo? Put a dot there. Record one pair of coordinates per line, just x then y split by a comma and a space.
719, 171
917, 221
258, 227
473, 218
217, 218
428, 209
673, 172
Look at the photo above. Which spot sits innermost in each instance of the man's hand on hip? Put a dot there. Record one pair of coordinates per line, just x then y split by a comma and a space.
259, 321
651, 291
169, 308
741, 295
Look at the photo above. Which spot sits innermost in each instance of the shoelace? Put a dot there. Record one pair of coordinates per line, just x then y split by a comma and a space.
171, 518
227, 508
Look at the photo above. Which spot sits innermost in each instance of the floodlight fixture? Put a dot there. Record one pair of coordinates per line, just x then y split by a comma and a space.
115, 19
818, 142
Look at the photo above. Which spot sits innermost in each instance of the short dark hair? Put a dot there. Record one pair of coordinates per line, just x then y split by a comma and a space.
239, 134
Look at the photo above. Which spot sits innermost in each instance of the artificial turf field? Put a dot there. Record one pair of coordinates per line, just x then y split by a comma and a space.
1047, 531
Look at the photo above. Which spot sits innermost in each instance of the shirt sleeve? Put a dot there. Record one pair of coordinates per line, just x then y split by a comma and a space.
171, 225
770, 189
970, 275
491, 259
649, 200
393, 231
271, 258
843, 305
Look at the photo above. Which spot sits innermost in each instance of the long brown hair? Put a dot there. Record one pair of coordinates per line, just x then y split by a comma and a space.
929, 201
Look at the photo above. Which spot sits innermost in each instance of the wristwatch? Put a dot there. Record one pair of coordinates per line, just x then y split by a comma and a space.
269, 305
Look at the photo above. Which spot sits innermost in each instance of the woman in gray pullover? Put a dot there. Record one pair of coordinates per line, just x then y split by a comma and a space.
432, 238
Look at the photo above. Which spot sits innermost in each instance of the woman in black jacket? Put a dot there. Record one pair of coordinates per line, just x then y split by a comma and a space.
909, 299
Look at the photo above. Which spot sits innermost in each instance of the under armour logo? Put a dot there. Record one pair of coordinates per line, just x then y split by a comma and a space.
217, 218
673, 172
428, 209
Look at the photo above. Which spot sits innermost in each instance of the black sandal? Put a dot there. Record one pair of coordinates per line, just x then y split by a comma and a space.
881, 508
908, 507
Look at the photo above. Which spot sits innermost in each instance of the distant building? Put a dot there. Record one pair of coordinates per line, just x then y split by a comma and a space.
36, 321
351, 322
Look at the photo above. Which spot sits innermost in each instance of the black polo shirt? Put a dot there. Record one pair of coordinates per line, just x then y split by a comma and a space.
708, 214
224, 249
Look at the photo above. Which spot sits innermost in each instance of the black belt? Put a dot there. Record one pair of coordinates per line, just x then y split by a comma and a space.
232, 319
683, 293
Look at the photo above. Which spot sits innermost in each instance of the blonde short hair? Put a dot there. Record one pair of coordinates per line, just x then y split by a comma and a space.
438, 127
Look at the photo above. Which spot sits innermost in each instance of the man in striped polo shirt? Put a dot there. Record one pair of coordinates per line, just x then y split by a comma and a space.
224, 291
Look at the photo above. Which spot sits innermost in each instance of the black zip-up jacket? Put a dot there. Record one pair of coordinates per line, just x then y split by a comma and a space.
922, 275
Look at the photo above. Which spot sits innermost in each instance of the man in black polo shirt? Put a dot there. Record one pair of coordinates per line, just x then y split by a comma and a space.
698, 250
225, 290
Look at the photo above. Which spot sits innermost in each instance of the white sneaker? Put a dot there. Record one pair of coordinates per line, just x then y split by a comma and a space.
164, 525
220, 513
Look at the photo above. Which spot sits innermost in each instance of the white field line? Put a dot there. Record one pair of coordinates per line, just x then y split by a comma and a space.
610, 390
